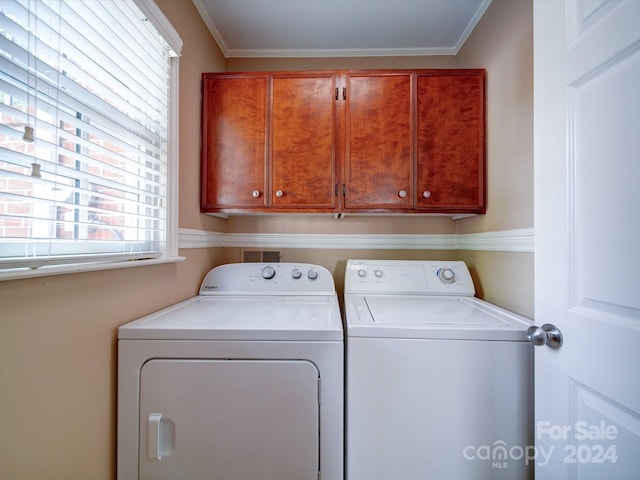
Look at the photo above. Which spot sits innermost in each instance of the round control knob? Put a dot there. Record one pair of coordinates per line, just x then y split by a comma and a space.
362, 273
279, 193
255, 193
446, 275
268, 272
378, 273
426, 194
296, 273
402, 194
312, 274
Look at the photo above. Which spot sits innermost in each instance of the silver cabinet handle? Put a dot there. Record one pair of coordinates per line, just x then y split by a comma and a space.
402, 194
255, 193
548, 335
426, 194
279, 193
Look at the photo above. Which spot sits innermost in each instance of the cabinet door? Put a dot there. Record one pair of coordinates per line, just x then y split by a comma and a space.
233, 141
303, 141
450, 141
378, 157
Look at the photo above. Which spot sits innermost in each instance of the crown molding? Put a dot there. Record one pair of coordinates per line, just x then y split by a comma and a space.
472, 24
208, 21
339, 53
521, 240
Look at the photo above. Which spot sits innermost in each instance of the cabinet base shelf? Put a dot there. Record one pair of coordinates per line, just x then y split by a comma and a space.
340, 215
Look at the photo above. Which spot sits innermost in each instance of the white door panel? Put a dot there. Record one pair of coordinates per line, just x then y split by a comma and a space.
587, 201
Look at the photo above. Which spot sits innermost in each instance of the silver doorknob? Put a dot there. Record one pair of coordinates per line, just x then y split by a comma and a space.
402, 193
426, 194
279, 193
255, 193
546, 335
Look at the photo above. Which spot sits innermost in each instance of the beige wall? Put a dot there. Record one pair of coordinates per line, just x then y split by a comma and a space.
58, 363
58, 333
340, 63
502, 42
327, 224
503, 278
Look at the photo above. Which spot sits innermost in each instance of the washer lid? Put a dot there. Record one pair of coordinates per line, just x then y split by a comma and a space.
406, 316
274, 317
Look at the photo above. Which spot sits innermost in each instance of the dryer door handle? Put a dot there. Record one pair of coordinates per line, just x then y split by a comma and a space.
161, 435
153, 436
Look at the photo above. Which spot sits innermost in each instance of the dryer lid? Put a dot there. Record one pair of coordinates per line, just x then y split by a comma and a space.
275, 317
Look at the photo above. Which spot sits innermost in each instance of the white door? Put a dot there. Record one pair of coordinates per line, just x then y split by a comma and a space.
587, 221
229, 420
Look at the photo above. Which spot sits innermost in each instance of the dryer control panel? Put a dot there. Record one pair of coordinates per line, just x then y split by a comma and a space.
268, 279
420, 277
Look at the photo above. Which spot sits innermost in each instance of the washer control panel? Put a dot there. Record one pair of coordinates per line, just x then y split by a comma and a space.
268, 278
424, 277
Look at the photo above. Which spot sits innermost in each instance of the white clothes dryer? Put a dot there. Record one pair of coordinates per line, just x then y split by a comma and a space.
438, 382
243, 381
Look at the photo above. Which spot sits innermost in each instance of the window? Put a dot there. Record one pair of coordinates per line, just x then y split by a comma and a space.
88, 107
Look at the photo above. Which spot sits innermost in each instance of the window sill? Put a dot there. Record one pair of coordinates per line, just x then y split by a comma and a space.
16, 274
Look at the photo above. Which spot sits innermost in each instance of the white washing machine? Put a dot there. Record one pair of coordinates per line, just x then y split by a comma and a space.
438, 382
243, 381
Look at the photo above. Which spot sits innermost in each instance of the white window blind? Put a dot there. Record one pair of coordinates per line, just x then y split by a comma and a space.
85, 101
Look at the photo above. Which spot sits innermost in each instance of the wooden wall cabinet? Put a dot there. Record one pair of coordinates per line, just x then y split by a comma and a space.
302, 125
234, 136
450, 136
371, 141
379, 144
415, 142
268, 142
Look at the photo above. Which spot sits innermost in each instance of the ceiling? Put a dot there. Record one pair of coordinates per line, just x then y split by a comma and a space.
340, 28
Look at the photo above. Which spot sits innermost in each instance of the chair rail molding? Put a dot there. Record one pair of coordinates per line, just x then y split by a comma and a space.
519, 240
